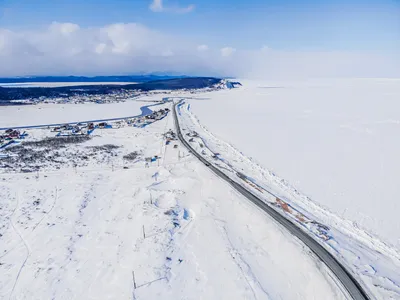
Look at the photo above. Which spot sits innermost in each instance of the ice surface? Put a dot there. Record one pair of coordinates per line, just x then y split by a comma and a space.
63, 113
334, 140
371, 258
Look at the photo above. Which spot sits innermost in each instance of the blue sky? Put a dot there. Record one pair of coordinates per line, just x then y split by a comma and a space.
332, 25
353, 26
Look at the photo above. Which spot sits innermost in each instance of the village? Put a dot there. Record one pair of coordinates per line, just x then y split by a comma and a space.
14, 136
11, 136
120, 95
76, 145
115, 97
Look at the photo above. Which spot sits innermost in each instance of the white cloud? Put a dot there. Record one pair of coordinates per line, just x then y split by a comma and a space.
202, 48
184, 10
227, 51
158, 6
3, 39
265, 48
274, 64
100, 48
167, 53
113, 49
64, 28
65, 48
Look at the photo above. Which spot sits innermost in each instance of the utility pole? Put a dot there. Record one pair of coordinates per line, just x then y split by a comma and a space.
134, 280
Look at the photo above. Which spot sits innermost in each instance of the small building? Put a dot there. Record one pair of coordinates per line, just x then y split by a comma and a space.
104, 125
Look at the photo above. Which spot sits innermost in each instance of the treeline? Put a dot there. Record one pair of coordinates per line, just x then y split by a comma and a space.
21, 93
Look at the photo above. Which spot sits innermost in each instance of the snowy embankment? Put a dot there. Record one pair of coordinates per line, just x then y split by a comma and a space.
376, 263
108, 227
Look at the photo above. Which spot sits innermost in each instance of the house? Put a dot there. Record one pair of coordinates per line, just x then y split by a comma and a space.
13, 134
66, 127
76, 129
103, 125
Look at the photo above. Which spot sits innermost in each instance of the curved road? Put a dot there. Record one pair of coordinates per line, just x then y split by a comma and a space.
348, 281
144, 109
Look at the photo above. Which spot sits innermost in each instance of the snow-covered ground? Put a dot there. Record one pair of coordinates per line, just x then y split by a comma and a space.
336, 141
171, 229
63, 113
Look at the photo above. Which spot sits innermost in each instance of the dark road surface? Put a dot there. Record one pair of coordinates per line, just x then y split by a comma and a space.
347, 280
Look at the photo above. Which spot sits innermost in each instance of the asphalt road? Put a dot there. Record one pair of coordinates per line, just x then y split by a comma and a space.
347, 280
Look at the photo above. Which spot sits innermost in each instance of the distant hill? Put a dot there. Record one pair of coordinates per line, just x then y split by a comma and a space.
175, 84
20, 93
130, 78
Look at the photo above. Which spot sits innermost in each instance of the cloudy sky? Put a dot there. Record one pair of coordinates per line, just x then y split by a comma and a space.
253, 38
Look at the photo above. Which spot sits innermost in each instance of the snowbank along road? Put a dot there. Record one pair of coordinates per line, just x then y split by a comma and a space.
349, 282
371, 261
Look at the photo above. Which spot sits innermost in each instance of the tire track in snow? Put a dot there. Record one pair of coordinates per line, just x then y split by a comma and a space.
46, 214
249, 276
25, 244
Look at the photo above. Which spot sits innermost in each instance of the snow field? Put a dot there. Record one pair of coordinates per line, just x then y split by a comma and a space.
12, 116
85, 232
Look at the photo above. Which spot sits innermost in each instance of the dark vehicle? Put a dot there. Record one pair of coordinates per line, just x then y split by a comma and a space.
241, 175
